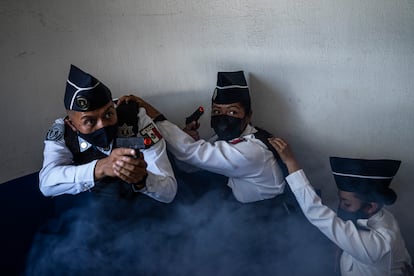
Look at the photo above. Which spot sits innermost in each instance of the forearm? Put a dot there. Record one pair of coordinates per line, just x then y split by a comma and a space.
362, 245
58, 174
292, 166
285, 153
219, 157
69, 179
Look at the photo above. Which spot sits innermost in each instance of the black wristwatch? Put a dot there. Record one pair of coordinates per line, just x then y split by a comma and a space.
159, 118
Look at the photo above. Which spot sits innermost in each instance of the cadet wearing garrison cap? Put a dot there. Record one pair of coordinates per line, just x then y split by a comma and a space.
237, 150
84, 92
367, 234
370, 179
80, 153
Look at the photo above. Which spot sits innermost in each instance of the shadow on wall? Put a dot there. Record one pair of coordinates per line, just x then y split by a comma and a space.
205, 231
269, 104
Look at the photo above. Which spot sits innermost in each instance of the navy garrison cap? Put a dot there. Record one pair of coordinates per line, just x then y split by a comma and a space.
366, 177
84, 92
232, 88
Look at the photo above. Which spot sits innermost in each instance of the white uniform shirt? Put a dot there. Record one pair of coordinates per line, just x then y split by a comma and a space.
59, 176
376, 250
251, 167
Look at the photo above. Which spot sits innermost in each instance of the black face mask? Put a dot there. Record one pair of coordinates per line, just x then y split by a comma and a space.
101, 137
352, 216
226, 127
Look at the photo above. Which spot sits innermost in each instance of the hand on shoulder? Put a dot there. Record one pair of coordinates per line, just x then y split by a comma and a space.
152, 112
285, 153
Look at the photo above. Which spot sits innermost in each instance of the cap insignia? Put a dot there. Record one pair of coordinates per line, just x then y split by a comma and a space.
82, 102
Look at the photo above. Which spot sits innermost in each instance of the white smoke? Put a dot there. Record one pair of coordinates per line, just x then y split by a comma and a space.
205, 231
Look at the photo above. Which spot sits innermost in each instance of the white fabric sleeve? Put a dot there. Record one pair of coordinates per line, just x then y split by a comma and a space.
58, 175
365, 246
240, 160
160, 183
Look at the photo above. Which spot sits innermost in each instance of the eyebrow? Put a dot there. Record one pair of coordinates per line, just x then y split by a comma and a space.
234, 105
109, 107
87, 117
229, 106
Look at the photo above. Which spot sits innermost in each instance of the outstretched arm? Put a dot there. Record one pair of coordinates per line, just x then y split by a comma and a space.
365, 246
285, 154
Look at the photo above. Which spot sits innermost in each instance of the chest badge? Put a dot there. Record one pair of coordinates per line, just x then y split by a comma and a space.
125, 131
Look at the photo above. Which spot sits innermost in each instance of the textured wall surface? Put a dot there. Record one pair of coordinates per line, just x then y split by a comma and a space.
332, 77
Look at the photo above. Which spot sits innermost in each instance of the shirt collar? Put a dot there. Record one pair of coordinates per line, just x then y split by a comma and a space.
248, 130
85, 145
368, 223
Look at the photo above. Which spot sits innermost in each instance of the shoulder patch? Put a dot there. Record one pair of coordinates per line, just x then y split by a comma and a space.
55, 133
150, 131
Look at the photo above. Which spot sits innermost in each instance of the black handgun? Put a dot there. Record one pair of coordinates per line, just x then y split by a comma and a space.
132, 143
136, 143
195, 116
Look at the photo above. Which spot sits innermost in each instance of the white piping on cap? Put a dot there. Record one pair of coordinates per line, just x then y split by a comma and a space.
79, 89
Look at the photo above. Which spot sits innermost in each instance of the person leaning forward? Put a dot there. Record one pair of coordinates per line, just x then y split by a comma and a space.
367, 234
236, 150
80, 152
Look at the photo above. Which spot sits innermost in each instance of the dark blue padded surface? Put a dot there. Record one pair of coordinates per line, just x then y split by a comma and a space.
205, 231
23, 209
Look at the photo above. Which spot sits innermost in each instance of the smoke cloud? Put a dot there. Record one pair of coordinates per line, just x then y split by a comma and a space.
205, 231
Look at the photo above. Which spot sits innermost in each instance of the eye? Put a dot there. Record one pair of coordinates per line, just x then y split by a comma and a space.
216, 112
109, 115
89, 122
232, 112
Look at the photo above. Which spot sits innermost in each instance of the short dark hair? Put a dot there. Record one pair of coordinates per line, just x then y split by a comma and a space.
368, 196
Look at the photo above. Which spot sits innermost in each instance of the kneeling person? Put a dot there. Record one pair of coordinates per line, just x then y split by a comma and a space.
80, 151
367, 233
238, 150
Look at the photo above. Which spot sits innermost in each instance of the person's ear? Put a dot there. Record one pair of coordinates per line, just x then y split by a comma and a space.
371, 208
70, 124
248, 117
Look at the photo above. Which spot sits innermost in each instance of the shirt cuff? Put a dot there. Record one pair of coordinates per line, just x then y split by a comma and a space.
85, 175
297, 180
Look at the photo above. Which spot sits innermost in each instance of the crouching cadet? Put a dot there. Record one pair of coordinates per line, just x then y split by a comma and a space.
83, 151
238, 150
367, 234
